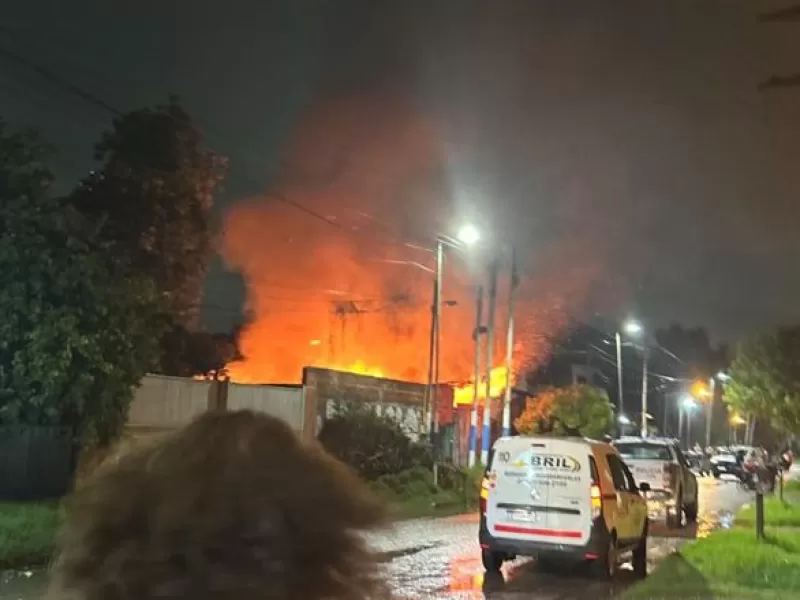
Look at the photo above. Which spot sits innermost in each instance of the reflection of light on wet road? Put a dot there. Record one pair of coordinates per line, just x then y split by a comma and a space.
440, 558
466, 575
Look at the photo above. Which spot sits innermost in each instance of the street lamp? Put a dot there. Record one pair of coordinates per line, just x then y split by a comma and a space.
466, 236
632, 328
688, 404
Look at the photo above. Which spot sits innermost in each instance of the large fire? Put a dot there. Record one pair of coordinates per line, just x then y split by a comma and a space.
465, 394
353, 296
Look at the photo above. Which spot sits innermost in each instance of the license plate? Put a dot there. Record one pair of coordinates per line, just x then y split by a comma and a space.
527, 516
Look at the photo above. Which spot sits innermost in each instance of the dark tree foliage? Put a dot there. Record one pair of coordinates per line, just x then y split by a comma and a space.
765, 378
151, 201
188, 353
77, 327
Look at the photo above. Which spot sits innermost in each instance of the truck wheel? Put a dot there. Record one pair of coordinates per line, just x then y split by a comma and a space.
492, 560
640, 554
690, 510
605, 565
675, 521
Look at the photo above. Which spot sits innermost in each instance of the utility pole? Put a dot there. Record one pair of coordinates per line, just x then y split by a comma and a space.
680, 426
620, 395
432, 418
433, 372
427, 417
510, 344
644, 391
712, 384
689, 414
473, 413
486, 438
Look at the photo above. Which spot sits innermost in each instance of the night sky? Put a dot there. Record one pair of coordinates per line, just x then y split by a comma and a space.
634, 128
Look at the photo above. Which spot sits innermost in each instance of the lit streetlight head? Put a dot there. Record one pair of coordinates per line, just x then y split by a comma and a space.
623, 420
633, 328
688, 402
468, 234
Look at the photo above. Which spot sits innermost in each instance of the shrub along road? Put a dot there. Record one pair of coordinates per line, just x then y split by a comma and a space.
440, 557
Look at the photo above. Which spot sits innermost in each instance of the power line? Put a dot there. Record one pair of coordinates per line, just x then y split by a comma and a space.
98, 102
59, 81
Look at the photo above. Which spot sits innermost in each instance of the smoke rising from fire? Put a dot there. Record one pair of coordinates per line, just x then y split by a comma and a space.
355, 296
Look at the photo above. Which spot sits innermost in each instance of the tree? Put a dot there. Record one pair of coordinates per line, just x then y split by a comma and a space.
765, 378
190, 353
574, 410
77, 329
152, 202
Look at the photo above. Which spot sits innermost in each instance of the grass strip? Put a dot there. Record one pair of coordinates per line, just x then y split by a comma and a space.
27, 533
727, 564
777, 513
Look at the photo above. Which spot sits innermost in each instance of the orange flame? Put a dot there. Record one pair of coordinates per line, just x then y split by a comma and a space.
465, 394
351, 297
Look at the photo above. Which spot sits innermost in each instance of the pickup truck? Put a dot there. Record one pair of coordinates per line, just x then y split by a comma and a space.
660, 463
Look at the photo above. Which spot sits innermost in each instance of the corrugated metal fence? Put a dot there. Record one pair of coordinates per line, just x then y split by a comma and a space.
162, 403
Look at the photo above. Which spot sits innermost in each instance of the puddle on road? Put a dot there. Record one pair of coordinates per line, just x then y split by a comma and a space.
465, 577
22, 585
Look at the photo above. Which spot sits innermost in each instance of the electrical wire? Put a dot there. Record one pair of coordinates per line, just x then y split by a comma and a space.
96, 101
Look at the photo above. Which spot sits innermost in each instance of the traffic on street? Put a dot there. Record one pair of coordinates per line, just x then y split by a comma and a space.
441, 558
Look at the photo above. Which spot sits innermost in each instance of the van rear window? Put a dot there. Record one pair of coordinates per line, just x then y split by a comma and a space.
593, 469
644, 451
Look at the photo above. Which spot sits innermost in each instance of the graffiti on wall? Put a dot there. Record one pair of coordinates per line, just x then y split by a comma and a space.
407, 416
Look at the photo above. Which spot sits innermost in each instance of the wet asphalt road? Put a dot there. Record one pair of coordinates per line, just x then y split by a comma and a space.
440, 558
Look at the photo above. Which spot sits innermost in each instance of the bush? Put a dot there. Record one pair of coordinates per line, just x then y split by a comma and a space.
372, 444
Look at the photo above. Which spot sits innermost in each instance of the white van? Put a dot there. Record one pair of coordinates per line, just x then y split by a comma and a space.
561, 498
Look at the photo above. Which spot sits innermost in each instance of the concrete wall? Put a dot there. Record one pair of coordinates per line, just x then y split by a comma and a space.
326, 389
285, 402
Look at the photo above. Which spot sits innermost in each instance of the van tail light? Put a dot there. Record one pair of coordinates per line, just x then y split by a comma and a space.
596, 499
485, 487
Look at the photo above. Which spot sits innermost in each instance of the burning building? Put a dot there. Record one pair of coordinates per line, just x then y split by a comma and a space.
346, 284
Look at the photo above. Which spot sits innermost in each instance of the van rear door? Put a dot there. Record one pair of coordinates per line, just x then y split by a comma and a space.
541, 491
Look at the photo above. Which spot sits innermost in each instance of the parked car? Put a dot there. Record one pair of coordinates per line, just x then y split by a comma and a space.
661, 464
694, 459
726, 464
561, 499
